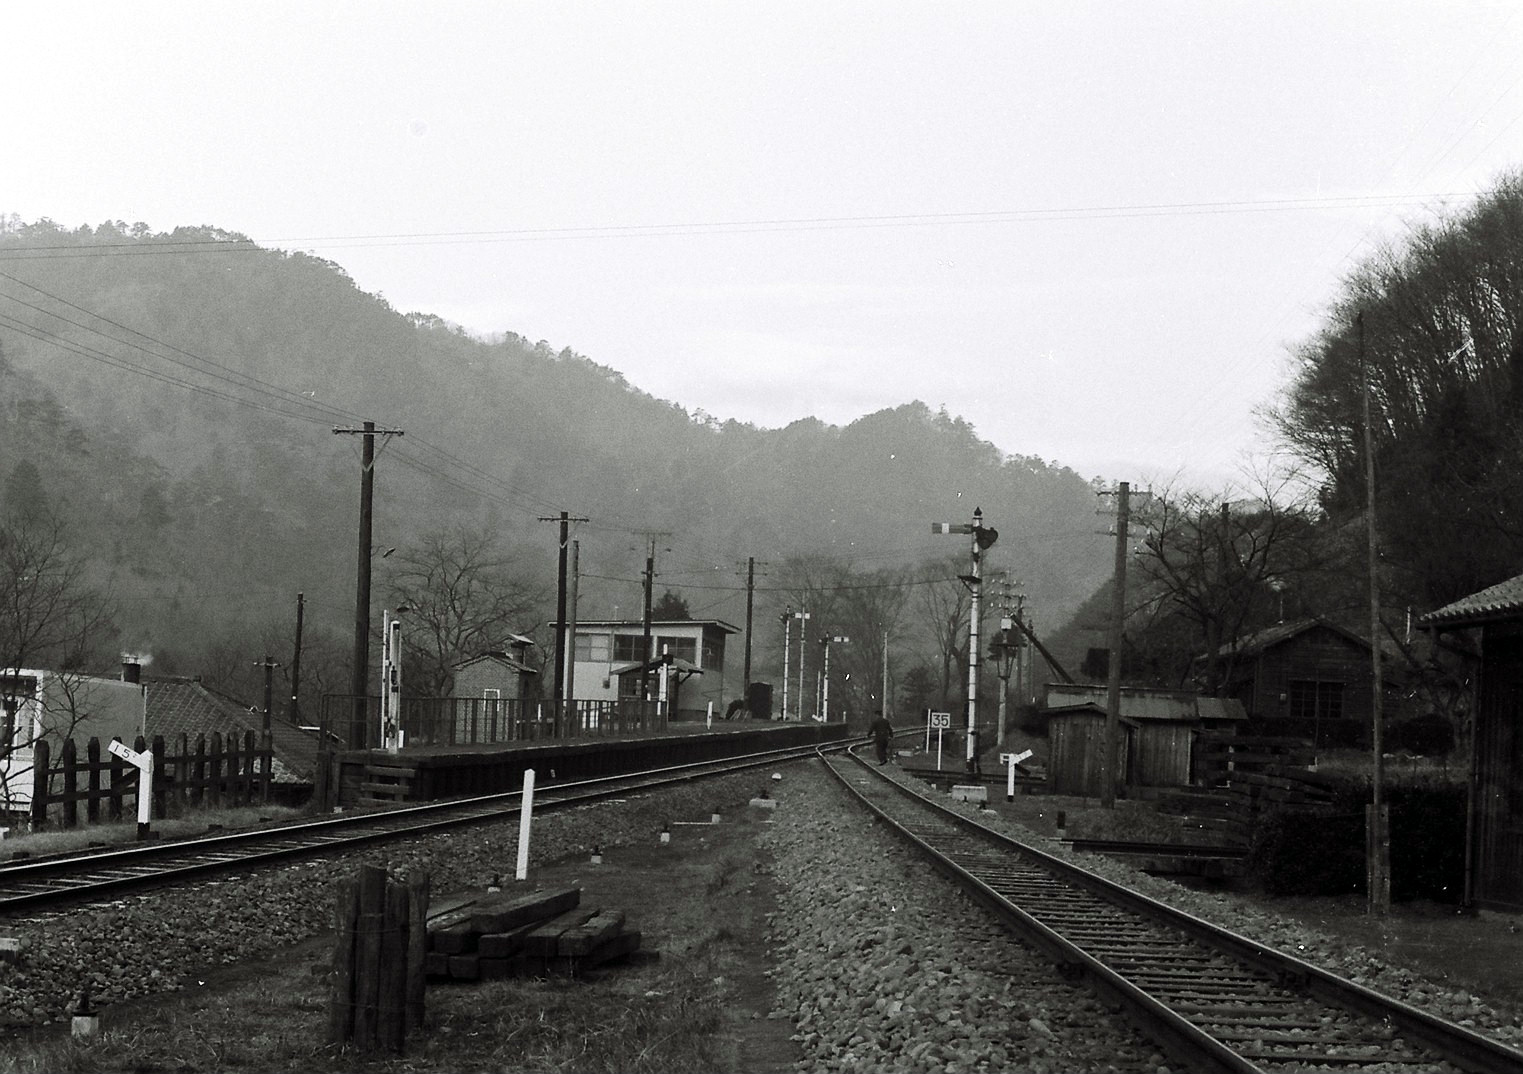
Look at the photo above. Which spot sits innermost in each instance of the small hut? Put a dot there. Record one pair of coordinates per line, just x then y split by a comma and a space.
1156, 746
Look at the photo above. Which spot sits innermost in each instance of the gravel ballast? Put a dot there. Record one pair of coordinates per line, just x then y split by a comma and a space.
884, 966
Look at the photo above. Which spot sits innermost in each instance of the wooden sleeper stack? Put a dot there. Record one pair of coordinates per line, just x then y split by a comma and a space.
533, 934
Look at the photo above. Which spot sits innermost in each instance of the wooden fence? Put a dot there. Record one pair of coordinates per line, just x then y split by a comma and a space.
211, 774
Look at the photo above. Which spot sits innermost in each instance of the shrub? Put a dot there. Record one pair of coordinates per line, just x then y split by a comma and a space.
1427, 736
1298, 852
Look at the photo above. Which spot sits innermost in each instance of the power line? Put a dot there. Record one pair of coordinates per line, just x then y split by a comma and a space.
160, 246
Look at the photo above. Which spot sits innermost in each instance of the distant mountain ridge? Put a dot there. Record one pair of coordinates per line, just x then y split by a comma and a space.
178, 392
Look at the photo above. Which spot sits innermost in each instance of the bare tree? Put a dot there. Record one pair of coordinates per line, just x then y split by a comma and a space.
463, 597
1222, 566
51, 619
945, 605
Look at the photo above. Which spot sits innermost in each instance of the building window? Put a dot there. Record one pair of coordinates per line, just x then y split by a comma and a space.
627, 647
680, 648
592, 649
1311, 700
713, 654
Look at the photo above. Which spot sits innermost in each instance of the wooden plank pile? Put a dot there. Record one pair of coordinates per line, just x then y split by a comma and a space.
534, 934
1247, 777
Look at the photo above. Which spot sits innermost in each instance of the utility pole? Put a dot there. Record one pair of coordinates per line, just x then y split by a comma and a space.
359, 681
787, 618
560, 611
983, 539
884, 696
1377, 837
265, 740
745, 682
1113, 681
573, 598
645, 653
803, 618
295, 710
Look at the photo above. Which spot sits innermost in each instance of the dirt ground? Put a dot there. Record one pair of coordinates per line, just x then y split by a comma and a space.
700, 901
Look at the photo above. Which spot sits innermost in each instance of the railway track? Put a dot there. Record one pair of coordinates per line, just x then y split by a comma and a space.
31, 887
1215, 1000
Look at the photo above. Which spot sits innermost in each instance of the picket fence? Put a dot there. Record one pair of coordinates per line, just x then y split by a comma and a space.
212, 773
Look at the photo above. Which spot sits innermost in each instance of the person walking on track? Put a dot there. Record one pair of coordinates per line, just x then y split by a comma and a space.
882, 731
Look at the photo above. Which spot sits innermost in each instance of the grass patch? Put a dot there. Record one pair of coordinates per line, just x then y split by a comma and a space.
668, 1015
64, 841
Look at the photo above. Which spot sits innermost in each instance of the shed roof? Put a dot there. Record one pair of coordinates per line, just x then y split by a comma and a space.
639, 624
1146, 703
1493, 604
187, 706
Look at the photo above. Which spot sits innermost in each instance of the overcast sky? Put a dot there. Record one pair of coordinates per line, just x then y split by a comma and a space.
1092, 229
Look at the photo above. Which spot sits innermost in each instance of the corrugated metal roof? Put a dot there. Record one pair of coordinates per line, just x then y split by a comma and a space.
1501, 601
1143, 703
186, 706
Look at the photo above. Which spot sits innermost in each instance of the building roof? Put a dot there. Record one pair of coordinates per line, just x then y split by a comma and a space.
1492, 604
1144, 703
639, 624
177, 706
679, 665
1268, 638
499, 657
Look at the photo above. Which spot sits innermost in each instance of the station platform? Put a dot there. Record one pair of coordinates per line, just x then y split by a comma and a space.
433, 773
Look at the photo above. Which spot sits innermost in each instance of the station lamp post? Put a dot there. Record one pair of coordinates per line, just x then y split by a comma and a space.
839, 639
1004, 650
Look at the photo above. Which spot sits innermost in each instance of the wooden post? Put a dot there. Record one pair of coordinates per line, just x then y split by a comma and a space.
266, 766
392, 1006
250, 751
118, 777
160, 788
230, 785
417, 948
40, 765
70, 784
198, 772
367, 961
182, 770
215, 786
345, 922
92, 771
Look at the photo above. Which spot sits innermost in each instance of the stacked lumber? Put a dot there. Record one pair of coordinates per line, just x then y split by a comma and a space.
534, 934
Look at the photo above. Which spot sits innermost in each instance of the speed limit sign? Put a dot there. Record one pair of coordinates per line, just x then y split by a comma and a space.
939, 719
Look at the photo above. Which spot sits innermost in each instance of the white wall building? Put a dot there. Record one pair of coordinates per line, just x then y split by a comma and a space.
606, 663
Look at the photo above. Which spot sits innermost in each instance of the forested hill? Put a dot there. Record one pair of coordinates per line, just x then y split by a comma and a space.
176, 395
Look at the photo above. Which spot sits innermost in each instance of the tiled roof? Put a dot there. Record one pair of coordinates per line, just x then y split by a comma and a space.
179, 706
1501, 601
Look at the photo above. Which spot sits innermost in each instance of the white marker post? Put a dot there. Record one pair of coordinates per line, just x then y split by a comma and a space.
941, 721
525, 814
709, 721
1010, 760
144, 764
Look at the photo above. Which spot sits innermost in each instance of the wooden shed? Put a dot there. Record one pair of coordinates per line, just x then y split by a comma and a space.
1156, 746
1492, 621
1309, 678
